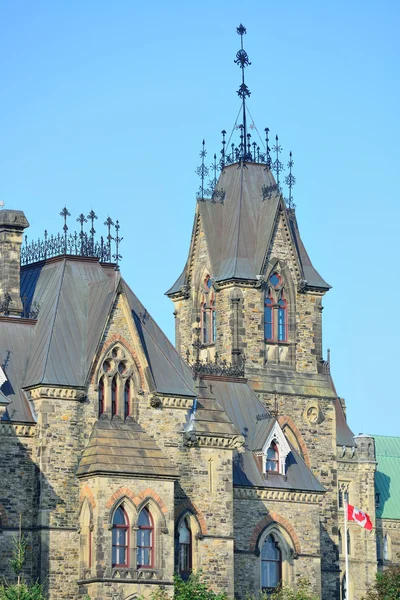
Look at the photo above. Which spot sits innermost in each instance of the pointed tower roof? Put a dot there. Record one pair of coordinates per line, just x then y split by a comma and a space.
238, 211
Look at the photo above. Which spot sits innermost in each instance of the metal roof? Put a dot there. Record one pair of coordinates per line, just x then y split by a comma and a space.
249, 415
16, 337
75, 296
387, 476
344, 435
170, 373
239, 230
123, 447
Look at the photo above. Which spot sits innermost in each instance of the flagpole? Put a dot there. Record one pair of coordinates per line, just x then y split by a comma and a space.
346, 549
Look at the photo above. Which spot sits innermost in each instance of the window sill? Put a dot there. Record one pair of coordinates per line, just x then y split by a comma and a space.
273, 342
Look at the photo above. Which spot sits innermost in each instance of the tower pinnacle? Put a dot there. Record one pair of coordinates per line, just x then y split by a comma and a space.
242, 60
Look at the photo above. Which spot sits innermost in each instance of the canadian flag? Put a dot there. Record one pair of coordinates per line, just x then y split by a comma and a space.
359, 517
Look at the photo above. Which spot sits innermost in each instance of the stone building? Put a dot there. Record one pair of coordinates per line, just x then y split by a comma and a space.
126, 460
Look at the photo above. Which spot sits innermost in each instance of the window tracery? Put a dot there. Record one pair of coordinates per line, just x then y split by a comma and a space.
185, 549
117, 378
275, 310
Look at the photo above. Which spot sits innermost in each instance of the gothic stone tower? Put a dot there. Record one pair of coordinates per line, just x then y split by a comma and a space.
250, 286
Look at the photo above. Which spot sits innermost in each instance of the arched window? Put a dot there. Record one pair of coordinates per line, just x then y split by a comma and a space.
114, 396
269, 318
101, 397
344, 588
378, 547
271, 564
348, 542
127, 398
272, 458
185, 549
213, 321
205, 324
282, 320
385, 547
340, 542
120, 538
85, 537
145, 536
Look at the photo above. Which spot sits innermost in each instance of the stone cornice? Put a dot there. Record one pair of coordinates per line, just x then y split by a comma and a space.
388, 523
364, 466
167, 402
17, 429
276, 495
63, 393
232, 442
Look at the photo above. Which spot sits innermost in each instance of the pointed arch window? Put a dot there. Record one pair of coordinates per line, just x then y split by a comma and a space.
205, 324
348, 542
272, 458
213, 321
282, 319
269, 319
271, 564
101, 397
340, 542
145, 537
385, 547
344, 588
185, 549
127, 398
114, 396
120, 539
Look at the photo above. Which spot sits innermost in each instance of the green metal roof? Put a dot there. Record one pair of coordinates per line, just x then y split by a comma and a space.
387, 476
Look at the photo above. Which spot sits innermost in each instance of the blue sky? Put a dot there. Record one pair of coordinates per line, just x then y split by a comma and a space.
104, 105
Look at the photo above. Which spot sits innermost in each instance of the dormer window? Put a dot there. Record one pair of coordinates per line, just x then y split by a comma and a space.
274, 451
272, 459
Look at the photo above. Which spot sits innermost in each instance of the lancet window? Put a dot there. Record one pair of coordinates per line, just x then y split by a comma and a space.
271, 564
185, 549
145, 539
275, 310
120, 538
208, 313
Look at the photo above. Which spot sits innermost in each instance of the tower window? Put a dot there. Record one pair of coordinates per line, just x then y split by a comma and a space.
145, 539
269, 319
271, 564
282, 320
213, 321
120, 538
275, 280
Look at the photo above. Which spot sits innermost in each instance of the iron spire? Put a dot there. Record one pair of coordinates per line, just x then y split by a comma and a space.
242, 60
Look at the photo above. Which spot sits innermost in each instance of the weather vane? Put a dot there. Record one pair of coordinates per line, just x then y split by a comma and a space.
242, 60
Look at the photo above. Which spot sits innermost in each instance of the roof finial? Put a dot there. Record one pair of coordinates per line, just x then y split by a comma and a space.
290, 181
277, 166
242, 60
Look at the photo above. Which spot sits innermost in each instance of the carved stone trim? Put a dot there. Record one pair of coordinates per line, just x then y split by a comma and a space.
17, 430
183, 403
278, 495
55, 392
229, 443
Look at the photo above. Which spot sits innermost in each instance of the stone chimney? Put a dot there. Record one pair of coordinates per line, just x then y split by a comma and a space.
12, 225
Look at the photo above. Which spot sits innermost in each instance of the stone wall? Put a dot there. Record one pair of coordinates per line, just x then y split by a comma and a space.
356, 471
18, 496
298, 522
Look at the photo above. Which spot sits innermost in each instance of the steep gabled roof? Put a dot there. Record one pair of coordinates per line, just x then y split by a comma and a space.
75, 297
239, 230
